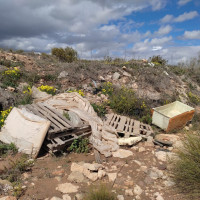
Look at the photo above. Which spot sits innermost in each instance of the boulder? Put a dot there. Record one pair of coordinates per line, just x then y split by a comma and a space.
129, 141
122, 153
67, 188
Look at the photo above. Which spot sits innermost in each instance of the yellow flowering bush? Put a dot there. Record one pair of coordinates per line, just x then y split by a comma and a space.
27, 90
10, 77
124, 101
78, 91
107, 88
48, 89
195, 99
3, 116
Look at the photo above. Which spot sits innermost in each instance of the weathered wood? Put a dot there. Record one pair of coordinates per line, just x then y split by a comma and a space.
129, 127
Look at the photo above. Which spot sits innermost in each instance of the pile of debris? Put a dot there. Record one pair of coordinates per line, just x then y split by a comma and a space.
43, 125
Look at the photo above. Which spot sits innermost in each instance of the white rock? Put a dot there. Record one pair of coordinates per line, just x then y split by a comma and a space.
78, 196
126, 74
158, 196
141, 149
77, 167
66, 197
93, 167
93, 176
63, 74
137, 190
76, 177
120, 197
101, 174
56, 198
67, 188
155, 173
116, 76
129, 192
122, 153
112, 177
129, 141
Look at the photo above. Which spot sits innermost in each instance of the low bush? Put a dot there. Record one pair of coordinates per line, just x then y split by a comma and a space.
80, 145
193, 98
186, 168
158, 60
124, 101
7, 148
100, 109
66, 55
48, 89
10, 77
101, 192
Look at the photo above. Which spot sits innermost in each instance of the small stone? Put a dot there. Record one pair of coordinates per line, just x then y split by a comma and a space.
93, 176
77, 167
76, 177
122, 153
112, 177
101, 174
63, 74
141, 149
59, 172
120, 197
67, 188
56, 198
66, 197
93, 167
187, 128
144, 169
158, 196
79, 196
129, 192
58, 178
137, 190
116, 76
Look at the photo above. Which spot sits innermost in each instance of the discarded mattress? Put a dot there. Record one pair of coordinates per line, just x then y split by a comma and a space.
172, 116
26, 130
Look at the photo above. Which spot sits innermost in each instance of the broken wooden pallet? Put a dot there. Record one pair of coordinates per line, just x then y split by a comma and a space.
60, 126
127, 126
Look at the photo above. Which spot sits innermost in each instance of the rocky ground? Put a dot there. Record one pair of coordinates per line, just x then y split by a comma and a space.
143, 174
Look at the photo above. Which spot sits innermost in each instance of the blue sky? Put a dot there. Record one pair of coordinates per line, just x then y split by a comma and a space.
99, 28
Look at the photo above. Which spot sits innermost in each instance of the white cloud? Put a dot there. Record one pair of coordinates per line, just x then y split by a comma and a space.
181, 18
186, 16
167, 19
183, 2
163, 30
192, 34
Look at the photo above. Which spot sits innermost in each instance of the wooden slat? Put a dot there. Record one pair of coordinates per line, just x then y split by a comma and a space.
50, 118
136, 128
69, 123
121, 124
109, 119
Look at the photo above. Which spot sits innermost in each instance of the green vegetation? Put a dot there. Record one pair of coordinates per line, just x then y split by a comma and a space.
80, 145
186, 168
10, 63
100, 109
158, 60
48, 89
101, 192
10, 77
3, 115
66, 55
66, 115
7, 149
194, 99
124, 101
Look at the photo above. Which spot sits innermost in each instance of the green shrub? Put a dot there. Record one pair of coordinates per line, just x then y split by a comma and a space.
193, 98
124, 101
100, 109
101, 192
107, 88
9, 63
7, 148
10, 77
17, 167
186, 169
66, 55
159, 60
80, 145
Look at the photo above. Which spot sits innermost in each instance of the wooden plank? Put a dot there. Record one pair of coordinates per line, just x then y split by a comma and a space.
136, 127
69, 123
109, 119
49, 112
121, 124
50, 118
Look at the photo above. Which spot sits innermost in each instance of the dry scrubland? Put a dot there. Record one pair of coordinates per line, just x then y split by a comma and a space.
110, 87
